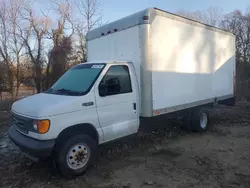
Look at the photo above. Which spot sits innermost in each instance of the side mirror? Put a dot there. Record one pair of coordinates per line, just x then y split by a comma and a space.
111, 87
103, 89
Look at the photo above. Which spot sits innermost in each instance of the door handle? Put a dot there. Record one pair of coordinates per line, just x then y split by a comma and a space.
134, 105
88, 104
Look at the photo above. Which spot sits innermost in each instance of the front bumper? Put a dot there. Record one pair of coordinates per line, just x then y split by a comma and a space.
36, 148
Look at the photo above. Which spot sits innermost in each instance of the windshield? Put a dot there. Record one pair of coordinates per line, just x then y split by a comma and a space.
78, 80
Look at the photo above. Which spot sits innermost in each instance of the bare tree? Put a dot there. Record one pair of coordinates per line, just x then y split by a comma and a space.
211, 16
24, 34
90, 12
191, 15
62, 44
239, 24
90, 16
81, 42
59, 57
35, 34
16, 40
4, 43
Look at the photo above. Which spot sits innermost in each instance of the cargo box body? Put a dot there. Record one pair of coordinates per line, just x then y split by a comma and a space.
179, 63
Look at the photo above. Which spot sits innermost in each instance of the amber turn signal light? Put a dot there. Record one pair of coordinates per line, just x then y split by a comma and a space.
42, 126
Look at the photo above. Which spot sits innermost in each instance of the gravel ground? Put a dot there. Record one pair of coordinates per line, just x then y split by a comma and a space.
163, 157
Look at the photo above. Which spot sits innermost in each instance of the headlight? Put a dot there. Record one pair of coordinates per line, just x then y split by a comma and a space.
41, 126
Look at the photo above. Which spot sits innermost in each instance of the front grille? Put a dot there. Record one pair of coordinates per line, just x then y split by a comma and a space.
21, 123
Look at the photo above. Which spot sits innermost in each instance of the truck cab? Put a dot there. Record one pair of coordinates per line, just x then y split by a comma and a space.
92, 103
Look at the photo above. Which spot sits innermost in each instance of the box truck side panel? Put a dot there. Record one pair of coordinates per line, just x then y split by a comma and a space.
121, 46
224, 66
191, 65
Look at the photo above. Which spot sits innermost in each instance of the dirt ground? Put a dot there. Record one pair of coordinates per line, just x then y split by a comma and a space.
163, 157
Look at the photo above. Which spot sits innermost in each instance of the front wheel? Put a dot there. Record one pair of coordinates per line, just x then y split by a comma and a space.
75, 155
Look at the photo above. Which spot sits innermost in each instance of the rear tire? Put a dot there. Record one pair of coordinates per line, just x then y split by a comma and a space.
200, 120
75, 156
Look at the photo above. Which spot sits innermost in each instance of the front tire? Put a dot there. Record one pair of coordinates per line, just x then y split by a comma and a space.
75, 155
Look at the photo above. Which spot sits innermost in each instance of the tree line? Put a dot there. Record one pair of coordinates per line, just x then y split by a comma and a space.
38, 46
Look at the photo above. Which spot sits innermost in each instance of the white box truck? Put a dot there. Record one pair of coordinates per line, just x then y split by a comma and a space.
148, 65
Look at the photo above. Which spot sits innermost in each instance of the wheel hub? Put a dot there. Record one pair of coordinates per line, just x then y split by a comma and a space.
78, 156
203, 120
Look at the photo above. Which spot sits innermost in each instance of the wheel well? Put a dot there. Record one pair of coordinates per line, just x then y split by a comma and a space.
85, 128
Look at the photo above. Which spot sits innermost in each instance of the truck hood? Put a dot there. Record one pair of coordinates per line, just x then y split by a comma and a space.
45, 105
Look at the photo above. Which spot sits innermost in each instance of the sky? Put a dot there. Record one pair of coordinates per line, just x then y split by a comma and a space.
116, 9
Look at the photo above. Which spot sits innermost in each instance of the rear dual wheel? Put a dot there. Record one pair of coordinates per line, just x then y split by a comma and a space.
200, 120
197, 120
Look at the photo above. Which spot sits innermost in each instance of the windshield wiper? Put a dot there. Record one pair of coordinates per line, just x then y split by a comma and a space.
68, 91
50, 90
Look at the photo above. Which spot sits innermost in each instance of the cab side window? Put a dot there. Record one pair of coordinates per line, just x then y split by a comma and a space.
116, 81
